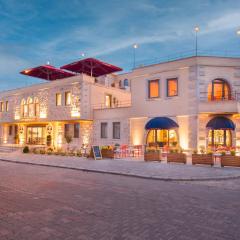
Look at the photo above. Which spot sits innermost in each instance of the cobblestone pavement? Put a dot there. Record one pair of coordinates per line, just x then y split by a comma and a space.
39, 203
133, 167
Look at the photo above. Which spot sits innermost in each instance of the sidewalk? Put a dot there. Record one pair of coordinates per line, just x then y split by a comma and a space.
134, 168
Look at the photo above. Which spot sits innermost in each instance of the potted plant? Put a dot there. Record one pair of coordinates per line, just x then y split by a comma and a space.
203, 157
176, 155
230, 160
152, 154
68, 140
107, 152
49, 140
26, 149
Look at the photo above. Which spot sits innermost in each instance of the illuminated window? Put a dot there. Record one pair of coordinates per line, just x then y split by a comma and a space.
219, 90
1, 106
172, 87
58, 99
153, 89
76, 130
162, 137
103, 130
108, 101
31, 107
220, 137
37, 107
7, 106
67, 98
116, 130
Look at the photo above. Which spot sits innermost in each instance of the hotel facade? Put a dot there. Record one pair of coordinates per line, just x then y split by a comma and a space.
191, 103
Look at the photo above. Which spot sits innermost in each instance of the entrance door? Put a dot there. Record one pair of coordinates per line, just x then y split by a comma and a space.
36, 135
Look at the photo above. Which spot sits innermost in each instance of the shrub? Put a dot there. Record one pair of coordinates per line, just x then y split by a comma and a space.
26, 149
35, 151
195, 151
223, 153
233, 153
42, 151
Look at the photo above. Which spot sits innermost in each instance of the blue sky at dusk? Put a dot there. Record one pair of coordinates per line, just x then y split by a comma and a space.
34, 32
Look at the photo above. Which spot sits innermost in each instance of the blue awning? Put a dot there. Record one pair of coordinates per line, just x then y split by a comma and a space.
220, 123
161, 123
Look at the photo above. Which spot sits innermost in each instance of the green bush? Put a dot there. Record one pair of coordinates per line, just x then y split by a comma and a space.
26, 149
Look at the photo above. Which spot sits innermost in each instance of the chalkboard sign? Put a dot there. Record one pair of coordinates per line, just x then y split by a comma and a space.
97, 152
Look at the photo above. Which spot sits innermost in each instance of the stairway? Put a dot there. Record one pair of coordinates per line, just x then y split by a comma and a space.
8, 149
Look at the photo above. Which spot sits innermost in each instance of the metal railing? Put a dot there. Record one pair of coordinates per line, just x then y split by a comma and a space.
186, 54
206, 97
119, 104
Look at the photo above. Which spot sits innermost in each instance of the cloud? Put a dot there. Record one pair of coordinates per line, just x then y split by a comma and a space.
227, 21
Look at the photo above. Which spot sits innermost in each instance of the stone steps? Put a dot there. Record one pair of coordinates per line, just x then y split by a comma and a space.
8, 149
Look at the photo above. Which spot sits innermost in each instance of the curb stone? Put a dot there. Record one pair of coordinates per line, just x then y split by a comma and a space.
125, 174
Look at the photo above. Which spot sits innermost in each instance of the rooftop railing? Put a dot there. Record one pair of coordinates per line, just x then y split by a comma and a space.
187, 54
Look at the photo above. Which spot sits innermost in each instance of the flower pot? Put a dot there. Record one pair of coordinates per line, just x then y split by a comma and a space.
152, 156
205, 159
107, 153
231, 161
177, 157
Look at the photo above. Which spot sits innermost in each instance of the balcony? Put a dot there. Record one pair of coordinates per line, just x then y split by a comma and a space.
219, 104
119, 104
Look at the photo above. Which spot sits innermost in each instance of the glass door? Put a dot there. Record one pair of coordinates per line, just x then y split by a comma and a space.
36, 135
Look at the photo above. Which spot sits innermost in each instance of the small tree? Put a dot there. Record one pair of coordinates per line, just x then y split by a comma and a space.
68, 140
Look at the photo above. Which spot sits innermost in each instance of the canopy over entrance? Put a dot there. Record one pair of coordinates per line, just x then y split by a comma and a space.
47, 72
92, 67
161, 123
220, 123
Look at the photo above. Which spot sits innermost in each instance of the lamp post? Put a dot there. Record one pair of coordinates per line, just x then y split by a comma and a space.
135, 46
196, 29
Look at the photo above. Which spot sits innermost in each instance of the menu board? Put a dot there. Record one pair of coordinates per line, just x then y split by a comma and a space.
97, 152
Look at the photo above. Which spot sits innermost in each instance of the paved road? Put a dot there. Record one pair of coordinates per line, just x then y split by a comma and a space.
39, 203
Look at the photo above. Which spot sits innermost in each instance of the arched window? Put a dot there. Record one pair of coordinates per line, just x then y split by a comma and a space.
162, 137
24, 108
30, 108
220, 137
219, 90
37, 108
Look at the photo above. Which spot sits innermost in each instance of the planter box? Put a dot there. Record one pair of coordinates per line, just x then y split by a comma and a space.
106, 153
152, 156
177, 157
231, 161
202, 159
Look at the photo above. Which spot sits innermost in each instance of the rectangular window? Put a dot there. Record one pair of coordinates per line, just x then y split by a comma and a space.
103, 130
7, 106
116, 130
67, 98
108, 101
172, 87
76, 130
58, 99
1, 107
10, 130
67, 130
153, 89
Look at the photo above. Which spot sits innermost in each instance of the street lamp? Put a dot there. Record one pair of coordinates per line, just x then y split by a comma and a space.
196, 29
135, 46
83, 54
238, 32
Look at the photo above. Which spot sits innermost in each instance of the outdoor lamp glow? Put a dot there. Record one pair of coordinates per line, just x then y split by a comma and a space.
196, 29
238, 32
135, 45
